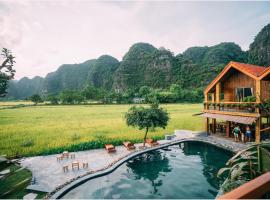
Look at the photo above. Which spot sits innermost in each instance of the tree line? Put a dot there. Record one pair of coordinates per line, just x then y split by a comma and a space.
145, 94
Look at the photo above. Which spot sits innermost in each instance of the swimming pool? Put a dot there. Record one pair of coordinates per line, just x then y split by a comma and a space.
186, 170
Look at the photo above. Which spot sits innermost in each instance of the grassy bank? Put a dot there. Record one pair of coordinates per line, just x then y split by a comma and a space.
50, 129
13, 185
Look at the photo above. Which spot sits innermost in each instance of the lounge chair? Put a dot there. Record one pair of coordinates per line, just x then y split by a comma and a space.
129, 145
110, 148
151, 142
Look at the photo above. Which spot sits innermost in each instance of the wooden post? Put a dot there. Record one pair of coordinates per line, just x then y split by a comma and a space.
213, 97
207, 125
258, 91
206, 101
228, 129
258, 94
258, 131
218, 89
214, 125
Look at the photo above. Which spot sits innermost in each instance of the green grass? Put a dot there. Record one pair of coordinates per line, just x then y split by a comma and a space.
39, 130
13, 185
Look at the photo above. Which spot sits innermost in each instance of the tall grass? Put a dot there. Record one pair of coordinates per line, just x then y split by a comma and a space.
40, 130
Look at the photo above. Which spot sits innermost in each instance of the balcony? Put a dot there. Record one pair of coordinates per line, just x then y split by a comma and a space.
243, 107
252, 109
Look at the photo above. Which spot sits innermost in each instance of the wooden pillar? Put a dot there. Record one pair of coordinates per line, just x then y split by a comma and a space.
207, 125
218, 89
258, 91
228, 128
213, 120
213, 97
258, 130
258, 94
214, 125
206, 100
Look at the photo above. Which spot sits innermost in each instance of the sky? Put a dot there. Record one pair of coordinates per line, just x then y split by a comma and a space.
46, 34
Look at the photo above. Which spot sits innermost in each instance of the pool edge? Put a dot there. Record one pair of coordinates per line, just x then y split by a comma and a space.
70, 185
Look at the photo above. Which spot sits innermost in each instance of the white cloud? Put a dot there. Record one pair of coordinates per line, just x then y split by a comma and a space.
45, 34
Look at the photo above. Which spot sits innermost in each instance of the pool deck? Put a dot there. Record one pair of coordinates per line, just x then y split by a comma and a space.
48, 173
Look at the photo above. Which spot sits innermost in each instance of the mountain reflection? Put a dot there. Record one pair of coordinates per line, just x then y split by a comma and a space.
210, 156
150, 166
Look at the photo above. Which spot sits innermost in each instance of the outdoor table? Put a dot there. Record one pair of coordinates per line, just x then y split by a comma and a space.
75, 164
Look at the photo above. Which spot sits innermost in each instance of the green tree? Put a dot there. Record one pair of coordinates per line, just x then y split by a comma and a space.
6, 70
70, 97
53, 99
145, 118
144, 91
90, 93
36, 99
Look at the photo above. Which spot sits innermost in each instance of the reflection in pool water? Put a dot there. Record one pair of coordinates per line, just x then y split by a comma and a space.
187, 170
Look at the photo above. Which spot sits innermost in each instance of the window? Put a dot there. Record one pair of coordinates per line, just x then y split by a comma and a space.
241, 93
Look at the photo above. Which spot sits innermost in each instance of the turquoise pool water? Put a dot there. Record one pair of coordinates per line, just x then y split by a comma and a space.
187, 170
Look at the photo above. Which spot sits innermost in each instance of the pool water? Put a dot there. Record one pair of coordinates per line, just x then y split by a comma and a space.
187, 170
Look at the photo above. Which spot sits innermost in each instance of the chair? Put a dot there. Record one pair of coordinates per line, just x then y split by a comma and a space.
59, 158
85, 164
65, 168
129, 145
72, 155
110, 148
65, 154
151, 142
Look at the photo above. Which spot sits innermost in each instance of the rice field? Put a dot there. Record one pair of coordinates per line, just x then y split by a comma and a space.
37, 130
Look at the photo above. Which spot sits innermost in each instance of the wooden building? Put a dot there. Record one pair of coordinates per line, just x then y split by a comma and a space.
238, 95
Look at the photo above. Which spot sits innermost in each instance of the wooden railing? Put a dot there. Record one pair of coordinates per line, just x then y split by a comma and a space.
254, 189
247, 107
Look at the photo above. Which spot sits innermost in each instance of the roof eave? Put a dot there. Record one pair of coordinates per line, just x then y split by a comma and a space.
224, 71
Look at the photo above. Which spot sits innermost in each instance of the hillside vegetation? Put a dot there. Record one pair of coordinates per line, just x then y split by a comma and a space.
146, 65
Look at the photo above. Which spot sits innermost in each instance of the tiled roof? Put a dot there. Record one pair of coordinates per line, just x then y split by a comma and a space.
252, 69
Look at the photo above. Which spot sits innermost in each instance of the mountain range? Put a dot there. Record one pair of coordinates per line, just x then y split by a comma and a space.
146, 65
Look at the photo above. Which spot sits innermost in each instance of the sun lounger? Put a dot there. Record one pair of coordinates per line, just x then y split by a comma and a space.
110, 148
129, 145
151, 142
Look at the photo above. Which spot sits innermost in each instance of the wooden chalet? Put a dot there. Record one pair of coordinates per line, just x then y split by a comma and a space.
224, 104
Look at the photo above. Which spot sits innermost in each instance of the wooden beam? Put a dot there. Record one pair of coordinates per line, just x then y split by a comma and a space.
265, 129
257, 131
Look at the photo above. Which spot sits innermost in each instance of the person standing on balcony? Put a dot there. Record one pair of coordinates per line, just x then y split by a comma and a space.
236, 132
248, 133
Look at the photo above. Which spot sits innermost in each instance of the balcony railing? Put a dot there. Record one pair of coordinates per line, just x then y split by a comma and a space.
247, 107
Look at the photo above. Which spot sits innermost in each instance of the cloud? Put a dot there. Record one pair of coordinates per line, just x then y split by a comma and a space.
45, 34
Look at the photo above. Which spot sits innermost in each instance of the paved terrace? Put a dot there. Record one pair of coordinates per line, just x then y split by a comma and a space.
48, 173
